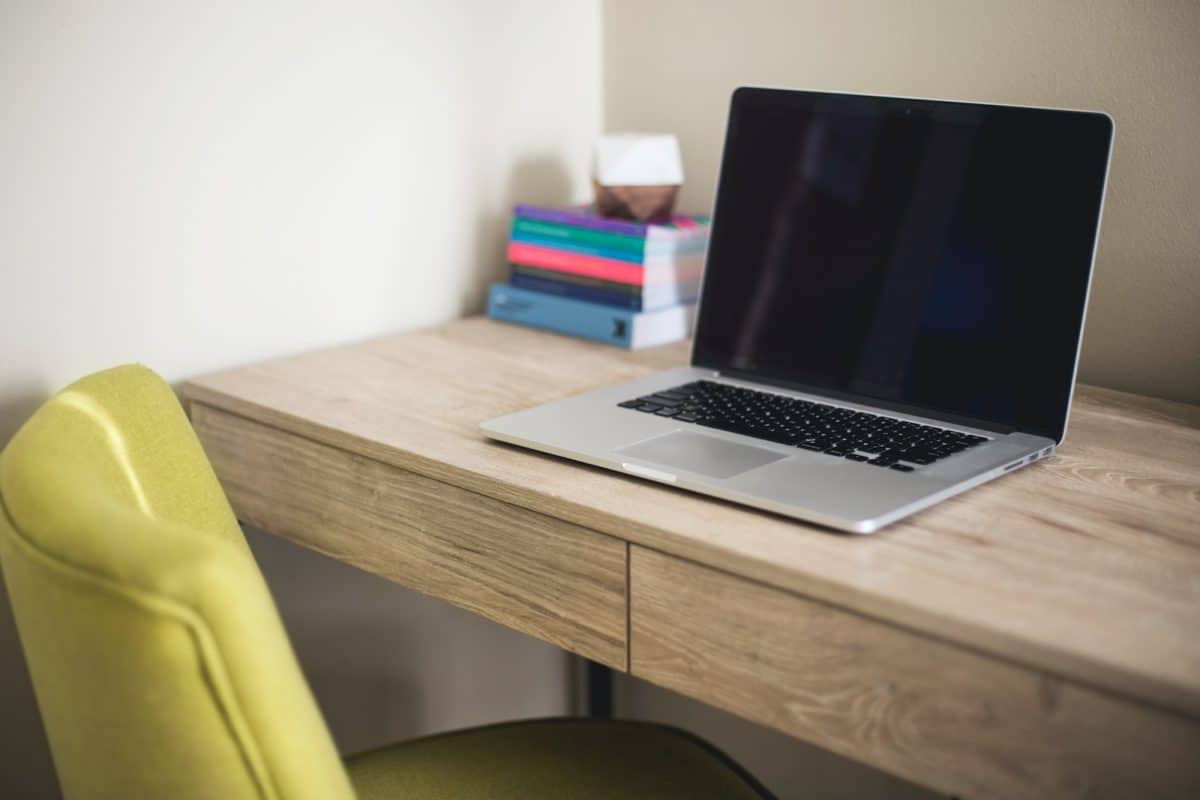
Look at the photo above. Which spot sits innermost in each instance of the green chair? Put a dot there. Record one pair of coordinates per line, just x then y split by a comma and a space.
161, 667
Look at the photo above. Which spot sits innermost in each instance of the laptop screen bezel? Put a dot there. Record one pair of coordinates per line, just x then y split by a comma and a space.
888, 102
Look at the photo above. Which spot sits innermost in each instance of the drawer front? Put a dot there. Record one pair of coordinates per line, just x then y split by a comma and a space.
559, 582
935, 713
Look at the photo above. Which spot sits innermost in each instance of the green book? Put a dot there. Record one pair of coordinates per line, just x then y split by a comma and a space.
569, 233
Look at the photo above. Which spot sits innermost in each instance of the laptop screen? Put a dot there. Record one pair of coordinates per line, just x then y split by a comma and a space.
919, 255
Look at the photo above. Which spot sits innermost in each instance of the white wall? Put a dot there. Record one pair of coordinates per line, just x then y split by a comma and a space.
195, 185
671, 64
198, 185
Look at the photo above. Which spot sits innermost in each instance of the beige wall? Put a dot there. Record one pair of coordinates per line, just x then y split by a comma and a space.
197, 185
670, 65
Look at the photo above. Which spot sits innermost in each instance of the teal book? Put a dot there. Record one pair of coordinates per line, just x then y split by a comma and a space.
582, 248
595, 321
605, 244
585, 236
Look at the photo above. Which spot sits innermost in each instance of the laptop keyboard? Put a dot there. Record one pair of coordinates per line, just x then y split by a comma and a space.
841, 432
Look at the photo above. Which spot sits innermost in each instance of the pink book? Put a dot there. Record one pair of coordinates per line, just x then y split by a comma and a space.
576, 263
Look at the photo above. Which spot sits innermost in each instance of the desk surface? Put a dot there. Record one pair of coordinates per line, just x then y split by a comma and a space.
1085, 566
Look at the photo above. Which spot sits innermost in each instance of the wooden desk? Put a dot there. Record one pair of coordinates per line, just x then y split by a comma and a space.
1036, 637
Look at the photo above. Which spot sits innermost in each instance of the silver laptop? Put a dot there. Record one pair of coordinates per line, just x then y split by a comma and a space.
891, 312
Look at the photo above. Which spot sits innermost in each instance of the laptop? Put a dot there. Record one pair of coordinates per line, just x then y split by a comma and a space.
891, 311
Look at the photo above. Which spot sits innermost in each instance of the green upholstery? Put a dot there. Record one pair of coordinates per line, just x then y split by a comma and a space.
576, 759
158, 659
160, 664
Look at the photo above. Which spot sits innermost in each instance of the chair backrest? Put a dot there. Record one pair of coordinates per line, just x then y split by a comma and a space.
158, 658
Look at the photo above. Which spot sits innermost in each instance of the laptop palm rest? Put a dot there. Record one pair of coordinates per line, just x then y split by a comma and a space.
704, 455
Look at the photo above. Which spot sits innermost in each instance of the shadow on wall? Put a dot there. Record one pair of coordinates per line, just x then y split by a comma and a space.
542, 180
18, 405
24, 754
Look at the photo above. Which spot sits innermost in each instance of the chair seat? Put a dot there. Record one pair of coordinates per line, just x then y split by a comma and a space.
565, 758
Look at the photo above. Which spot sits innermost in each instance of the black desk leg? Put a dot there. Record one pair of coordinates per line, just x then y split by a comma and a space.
599, 691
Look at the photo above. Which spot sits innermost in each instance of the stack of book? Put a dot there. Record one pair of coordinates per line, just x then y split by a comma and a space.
621, 282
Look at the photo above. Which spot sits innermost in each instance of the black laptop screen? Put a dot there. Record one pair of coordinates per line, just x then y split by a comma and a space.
920, 255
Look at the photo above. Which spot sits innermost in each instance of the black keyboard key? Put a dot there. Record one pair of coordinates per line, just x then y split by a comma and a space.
662, 400
843, 432
901, 468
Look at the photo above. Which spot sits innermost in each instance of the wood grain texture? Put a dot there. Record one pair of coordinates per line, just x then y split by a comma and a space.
1086, 565
934, 713
551, 579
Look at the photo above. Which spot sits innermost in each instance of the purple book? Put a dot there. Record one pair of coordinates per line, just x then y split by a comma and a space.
681, 226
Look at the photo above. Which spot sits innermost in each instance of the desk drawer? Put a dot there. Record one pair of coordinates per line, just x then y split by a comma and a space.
551, 579
940, 715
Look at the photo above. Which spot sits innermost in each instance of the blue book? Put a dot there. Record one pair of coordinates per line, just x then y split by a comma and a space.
590, 294
594, 321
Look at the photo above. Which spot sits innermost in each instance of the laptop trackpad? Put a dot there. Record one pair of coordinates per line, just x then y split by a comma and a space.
706, 455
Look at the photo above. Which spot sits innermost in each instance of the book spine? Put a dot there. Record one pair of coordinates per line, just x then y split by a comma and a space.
580, 220
582, 248
552, 231
549, 258
560, 314
606, 245
647, 297
588, 294
682, 227
581, 280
